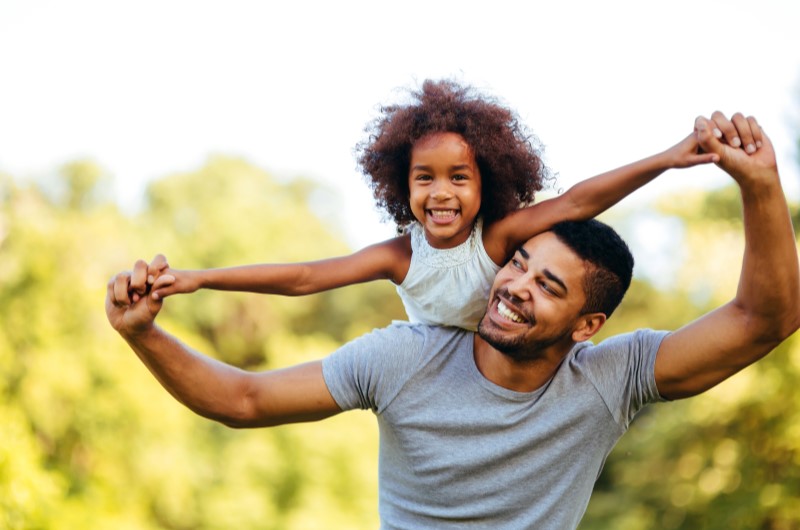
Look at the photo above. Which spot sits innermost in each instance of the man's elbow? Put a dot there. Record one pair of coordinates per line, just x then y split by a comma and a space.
227, 418
241, 421
792, 323
236, 424
777, 329
237, 413
246, 413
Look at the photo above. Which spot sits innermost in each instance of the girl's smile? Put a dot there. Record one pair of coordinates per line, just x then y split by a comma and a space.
444, 188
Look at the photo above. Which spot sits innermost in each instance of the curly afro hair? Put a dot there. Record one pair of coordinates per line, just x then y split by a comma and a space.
508, 156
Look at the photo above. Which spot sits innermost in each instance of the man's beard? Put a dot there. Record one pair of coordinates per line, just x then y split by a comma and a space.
518, 347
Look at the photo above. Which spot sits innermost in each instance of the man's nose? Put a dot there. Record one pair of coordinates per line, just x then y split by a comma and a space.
520, 287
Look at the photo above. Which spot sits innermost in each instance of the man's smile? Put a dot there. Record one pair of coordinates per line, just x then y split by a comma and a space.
508, 313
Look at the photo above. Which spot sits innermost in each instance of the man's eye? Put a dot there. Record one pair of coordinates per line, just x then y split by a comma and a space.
516, 263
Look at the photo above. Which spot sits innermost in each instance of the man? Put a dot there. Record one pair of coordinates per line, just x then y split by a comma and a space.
510, 427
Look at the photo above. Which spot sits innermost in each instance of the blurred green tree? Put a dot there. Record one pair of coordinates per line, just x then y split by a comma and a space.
730, 458
89, 438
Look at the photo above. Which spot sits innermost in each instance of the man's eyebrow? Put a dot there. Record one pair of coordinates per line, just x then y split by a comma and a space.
555, 279
523, 252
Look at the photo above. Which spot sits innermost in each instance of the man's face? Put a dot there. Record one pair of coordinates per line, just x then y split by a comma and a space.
536, 299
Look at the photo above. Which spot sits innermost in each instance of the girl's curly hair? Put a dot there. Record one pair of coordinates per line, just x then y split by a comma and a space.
508, 156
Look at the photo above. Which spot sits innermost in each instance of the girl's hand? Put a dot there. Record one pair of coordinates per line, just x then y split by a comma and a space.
164, 281
688, 153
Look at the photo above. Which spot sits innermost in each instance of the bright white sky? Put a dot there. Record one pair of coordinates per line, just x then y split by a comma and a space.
153, 87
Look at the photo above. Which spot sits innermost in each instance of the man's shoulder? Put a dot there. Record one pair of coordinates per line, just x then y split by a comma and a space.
401, 328
621, 369
643, 339
405, 338
371, 370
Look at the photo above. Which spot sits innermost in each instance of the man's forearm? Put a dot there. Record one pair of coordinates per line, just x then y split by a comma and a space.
232, 396
769, 286
208, 387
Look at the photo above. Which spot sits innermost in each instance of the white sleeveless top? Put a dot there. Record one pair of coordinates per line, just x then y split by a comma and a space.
447, 287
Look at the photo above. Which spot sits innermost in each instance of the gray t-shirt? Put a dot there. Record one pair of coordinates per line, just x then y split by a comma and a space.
458, 451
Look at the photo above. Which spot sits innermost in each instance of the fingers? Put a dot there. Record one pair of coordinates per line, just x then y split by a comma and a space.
156, 267
127, 305
708, 135
738, 131
119, 289
130, 287
160, 288
743, 128
690, 154
758, 134
138, 281
752, 160
727, 130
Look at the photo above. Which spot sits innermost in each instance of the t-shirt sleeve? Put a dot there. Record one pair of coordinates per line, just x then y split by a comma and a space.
622, 369
369, 372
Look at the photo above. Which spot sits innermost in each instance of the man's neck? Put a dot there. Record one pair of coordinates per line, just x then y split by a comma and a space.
518, 375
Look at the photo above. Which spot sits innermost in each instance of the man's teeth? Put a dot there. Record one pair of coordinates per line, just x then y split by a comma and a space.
508, 313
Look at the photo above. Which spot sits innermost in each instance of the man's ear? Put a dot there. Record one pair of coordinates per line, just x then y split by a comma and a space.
587, 326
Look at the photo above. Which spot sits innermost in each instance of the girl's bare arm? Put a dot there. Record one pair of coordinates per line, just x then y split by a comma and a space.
587, 198
387, 260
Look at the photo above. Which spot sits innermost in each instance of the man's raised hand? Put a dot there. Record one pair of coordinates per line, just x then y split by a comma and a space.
130, 308
745, 152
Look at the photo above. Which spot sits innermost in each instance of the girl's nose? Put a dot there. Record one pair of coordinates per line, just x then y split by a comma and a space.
441, 191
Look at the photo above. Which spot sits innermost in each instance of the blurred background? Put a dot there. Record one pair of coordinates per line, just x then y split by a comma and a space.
222, 134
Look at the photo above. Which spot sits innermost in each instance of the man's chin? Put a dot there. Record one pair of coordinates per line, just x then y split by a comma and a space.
511, 346
519, 347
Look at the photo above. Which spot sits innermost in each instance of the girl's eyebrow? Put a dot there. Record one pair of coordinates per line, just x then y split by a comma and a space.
425, 167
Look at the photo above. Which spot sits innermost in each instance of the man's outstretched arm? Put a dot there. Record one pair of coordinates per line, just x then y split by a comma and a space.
766, 308
210, 388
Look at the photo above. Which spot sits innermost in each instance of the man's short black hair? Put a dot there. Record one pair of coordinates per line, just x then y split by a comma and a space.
609, 262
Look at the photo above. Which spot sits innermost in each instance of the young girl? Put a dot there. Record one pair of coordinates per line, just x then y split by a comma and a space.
452, 168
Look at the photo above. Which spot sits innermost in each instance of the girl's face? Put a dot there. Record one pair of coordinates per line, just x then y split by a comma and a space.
444, 188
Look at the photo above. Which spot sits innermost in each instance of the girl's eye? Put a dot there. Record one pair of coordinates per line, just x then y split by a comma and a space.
422, 177
459, 177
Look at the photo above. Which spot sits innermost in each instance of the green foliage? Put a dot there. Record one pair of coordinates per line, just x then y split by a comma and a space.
730, 458
90, 440
230, 213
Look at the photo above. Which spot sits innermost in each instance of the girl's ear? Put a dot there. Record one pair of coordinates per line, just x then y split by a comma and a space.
587, 326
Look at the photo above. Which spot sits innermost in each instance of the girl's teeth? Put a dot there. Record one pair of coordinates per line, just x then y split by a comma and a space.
442, 213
